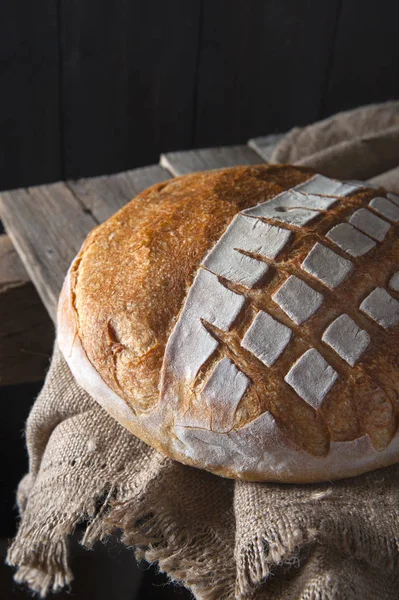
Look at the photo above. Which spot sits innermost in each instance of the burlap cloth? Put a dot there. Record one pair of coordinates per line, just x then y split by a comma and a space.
220, 538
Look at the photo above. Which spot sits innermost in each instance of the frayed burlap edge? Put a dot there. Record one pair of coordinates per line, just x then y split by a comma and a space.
155, 535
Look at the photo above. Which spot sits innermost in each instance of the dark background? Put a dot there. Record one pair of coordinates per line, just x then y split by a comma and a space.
90, 87
97, 86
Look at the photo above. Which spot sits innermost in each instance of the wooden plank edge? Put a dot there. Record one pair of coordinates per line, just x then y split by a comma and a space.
26, 330
203, 159
265, 145
103, 195
33, 257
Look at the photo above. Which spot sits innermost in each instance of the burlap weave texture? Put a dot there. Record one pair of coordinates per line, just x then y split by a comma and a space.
222, 539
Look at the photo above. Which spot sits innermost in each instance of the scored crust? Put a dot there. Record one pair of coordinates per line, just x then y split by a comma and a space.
204, 352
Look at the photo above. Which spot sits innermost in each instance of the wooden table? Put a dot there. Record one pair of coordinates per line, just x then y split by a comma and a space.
47, 224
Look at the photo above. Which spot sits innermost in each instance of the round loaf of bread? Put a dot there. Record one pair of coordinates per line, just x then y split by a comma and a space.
245, 321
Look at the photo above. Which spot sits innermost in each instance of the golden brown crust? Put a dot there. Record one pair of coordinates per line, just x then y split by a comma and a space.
132, 275
126, 290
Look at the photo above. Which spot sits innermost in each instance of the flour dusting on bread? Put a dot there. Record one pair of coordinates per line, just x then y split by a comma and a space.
255, 333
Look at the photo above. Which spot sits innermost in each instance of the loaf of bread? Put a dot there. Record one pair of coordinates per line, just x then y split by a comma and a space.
245, 321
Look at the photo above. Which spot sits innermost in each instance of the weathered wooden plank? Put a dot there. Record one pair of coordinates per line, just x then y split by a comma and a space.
26, 331
47, 225
366, 56
105, 195
265, 145
262, 67
129, 72
30, 151
180, 163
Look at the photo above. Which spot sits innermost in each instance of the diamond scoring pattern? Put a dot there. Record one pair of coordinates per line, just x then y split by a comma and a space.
266, 338
311, 377
347, 339
382, 308
297, 299
327, 266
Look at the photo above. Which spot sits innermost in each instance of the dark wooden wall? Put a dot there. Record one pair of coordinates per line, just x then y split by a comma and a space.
97, 86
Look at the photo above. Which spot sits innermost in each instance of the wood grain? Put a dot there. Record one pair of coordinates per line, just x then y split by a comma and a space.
47, 225
266, 144
103, 196
26, 331
128, 82
180, 163
30, 147
262, 67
